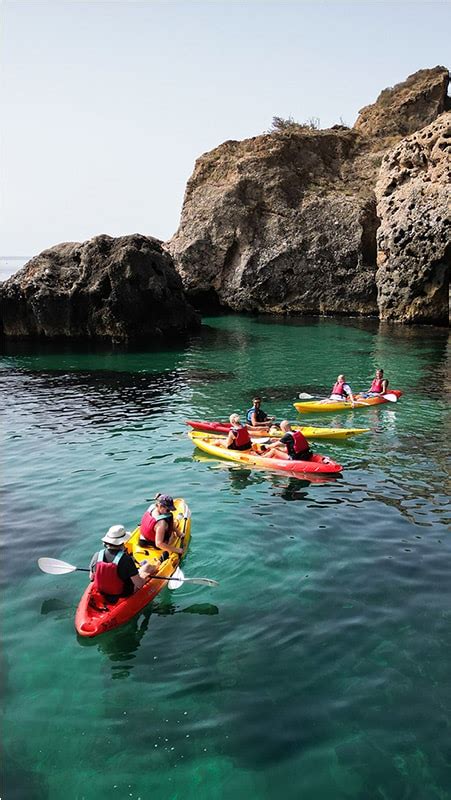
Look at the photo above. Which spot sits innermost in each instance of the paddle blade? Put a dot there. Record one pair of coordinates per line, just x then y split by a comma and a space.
305, 396
392, 398
55, 567
177, 579
202, 581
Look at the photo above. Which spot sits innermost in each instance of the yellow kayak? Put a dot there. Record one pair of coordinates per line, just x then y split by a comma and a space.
222, 429
345, 405
316, 464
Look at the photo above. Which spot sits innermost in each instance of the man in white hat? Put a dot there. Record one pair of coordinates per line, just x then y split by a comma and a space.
113, 570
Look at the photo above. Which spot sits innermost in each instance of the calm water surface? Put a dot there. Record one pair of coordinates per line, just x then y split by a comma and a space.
320, 667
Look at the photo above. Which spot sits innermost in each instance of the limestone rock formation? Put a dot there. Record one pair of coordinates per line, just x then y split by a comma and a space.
106, 288
287, 221
414, 239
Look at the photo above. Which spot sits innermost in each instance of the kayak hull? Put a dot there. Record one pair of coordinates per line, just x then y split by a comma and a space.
342, 405
95, 616
309, 432
318, 463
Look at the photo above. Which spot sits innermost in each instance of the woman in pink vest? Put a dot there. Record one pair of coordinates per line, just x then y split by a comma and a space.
341, 390
379, 384
157, 525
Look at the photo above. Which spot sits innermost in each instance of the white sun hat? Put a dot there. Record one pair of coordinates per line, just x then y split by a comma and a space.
116, 535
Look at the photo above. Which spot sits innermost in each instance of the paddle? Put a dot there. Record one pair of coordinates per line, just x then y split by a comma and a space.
53, 566
392, 398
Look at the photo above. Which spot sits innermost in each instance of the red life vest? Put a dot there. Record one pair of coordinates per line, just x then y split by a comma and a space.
338, 389
242, 437
106, 577
148, 523
376, 386
299, 441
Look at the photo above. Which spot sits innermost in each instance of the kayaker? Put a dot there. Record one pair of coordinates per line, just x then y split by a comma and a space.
238, 437
379, 384
112, 569
157, 525
341, 390
296, 445
257, 417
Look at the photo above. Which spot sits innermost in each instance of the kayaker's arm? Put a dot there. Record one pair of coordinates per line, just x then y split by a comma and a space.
160, 529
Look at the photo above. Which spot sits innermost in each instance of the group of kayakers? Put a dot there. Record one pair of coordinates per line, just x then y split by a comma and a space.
113, 569
342, 390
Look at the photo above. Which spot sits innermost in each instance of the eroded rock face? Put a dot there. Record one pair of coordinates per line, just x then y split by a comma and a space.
105, 288
281, 223
414, 241
287, 222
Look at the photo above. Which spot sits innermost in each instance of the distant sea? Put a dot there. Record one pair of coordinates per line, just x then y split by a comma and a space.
10, 264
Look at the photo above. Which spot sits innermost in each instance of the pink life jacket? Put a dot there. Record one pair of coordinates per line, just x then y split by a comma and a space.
376, 386
338, 389
242, 437
299, 441
106, 577
148, 523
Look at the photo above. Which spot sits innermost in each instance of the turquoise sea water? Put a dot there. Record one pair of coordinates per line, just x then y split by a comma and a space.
319, 669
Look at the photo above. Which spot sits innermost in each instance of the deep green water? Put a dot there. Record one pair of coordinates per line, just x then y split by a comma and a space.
320, 668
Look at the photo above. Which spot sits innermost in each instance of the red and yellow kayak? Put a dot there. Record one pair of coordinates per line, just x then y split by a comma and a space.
94, 615
343, 405
317, 464
309, 432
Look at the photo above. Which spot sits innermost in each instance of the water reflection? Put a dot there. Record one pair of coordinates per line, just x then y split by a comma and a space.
122, 644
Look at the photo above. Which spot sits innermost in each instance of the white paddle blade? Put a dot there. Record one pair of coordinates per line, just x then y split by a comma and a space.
177, 579
305, 396
202, 581
55, 567
392, 398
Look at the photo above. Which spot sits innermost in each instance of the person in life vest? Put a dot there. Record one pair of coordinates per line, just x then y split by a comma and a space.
293, 445
238, 437
341, 390
157, 525
257, 417
112, 569
379, 384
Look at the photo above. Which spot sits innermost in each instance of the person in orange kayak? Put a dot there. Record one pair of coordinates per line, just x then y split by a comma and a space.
296, 445
112, 569
238, 437
341, 390
379, 384
157, 525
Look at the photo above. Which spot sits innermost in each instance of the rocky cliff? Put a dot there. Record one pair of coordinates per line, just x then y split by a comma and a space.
414, 243
287, 221
105, 288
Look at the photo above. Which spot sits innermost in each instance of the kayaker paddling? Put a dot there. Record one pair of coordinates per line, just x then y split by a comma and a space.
113, 570
293, 445
341, 390
157, 525
378, 386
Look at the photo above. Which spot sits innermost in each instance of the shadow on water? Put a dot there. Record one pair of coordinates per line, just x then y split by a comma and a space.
122, 644
289, 484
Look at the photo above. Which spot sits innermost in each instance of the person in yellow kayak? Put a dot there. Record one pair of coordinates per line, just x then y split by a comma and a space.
256, 417
341, 390
238, 437
157, 525
378, 386
292, 446
112, 568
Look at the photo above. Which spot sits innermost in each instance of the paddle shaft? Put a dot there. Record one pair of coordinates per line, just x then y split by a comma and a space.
151, 577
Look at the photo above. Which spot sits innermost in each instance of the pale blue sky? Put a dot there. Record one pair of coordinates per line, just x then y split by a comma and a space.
106, 105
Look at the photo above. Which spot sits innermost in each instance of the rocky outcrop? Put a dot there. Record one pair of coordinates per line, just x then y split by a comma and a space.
287, 221
414, 242
106, 288
408, 106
